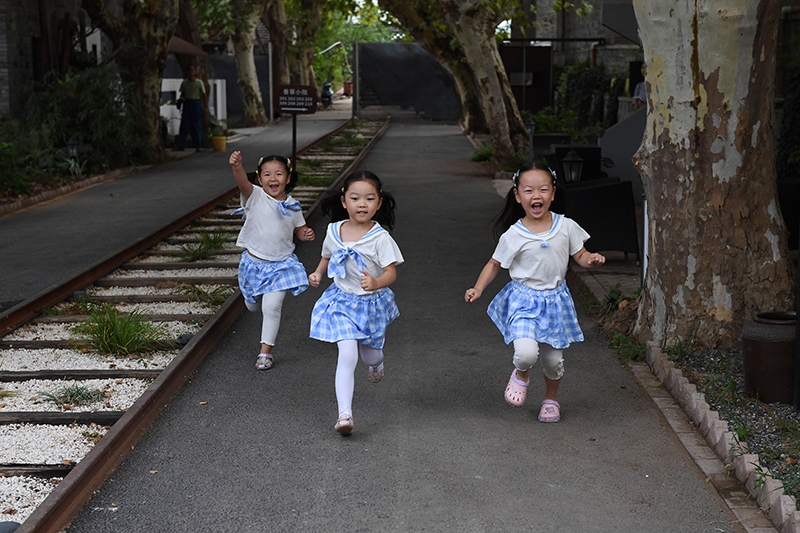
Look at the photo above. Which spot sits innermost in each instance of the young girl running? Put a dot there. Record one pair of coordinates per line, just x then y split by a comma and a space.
360, 256
268, 268
535, 309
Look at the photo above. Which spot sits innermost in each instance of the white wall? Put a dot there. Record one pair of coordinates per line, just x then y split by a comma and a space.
170, 92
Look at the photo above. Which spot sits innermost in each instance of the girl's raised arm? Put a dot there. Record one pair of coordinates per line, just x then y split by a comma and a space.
245, 187
488, 273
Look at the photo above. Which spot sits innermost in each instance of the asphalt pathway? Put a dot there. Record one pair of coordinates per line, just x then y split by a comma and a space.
435, 446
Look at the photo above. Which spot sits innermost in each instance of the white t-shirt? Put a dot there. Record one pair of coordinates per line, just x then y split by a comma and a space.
377, 249
539, 260
267, 233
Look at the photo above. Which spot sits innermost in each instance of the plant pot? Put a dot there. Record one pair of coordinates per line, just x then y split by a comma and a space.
219, 143
768, 351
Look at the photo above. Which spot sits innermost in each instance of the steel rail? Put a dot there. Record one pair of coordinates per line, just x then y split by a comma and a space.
56, 512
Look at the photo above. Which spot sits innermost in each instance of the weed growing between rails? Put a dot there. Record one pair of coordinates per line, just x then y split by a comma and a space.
208, 244
111, 332
770, 431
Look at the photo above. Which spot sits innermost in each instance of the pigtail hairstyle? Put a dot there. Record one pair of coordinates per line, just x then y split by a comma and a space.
293, 175
331, 203
513, 210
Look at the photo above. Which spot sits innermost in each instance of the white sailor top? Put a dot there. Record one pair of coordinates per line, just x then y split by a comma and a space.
372, 252
539, 260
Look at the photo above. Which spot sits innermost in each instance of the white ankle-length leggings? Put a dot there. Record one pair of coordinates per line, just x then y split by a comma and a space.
270, 305
346, 368
527, 351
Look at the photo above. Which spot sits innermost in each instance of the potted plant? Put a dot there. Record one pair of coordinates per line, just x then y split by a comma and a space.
219, 136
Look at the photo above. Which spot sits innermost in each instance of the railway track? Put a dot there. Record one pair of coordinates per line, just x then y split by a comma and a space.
47, 366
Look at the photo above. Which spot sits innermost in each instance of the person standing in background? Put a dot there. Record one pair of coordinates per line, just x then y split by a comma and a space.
193, 94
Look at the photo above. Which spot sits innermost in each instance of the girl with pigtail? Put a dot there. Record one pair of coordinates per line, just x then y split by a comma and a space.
360, 256
268, 267
535, 310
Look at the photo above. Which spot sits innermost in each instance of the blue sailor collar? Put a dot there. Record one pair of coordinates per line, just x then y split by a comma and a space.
376, 230
544, 236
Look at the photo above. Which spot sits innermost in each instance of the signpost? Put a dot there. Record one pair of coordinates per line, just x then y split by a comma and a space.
296, 100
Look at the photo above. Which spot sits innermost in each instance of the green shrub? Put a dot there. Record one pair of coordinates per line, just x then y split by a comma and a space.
484, 153
111, 332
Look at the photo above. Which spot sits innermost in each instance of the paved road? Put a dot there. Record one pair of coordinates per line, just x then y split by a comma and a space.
44, 245
435, 446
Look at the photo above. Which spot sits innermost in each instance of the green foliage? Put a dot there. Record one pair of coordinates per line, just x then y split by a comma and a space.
82, 305
611, 301
582, 9
484, 153
348, 22
111, 332
676, 351
628, 348
73, 395
91, 107
581, 89
206, 247
211, 297
7, 393
546, 121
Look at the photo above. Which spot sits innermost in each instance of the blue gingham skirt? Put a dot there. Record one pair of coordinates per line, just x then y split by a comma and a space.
257, 277
339, 316
546, 316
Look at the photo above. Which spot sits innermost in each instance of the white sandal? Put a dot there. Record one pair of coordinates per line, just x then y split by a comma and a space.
344, 425
264, 361
376, 373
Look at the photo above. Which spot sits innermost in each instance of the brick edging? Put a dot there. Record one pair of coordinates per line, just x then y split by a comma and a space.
767, 491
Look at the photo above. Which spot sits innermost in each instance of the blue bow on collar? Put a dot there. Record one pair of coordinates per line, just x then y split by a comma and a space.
286, 206
336, 263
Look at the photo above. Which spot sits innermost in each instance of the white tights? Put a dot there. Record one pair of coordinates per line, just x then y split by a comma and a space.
346, 368
527, 351
271, 304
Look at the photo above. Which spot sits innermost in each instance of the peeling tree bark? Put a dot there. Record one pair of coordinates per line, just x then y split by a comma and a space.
717, 245
243, 39
474, 23
140, 33
274, 18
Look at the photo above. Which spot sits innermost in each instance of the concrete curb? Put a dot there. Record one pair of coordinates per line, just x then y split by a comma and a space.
12, 207
780, 508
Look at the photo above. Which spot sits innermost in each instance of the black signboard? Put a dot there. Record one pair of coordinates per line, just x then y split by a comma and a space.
297, 99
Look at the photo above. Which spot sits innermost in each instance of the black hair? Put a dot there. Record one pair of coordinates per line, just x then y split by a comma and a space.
293, 176
332, 204
513, 210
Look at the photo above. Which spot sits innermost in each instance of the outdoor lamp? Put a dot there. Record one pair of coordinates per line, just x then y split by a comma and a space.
72, 147
573, 164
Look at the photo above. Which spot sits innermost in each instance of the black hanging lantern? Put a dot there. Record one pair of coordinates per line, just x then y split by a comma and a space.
573, 165
72, 147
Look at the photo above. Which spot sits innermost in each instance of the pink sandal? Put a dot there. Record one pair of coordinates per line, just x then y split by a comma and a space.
550, 411
516, 390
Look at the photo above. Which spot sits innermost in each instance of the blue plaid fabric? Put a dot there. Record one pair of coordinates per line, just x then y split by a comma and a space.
258, 277
546, 316
287, 207
339, 316
336, 263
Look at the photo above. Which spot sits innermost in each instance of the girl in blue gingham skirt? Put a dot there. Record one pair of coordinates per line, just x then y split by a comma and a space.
535, 310
360, 256
269, 268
